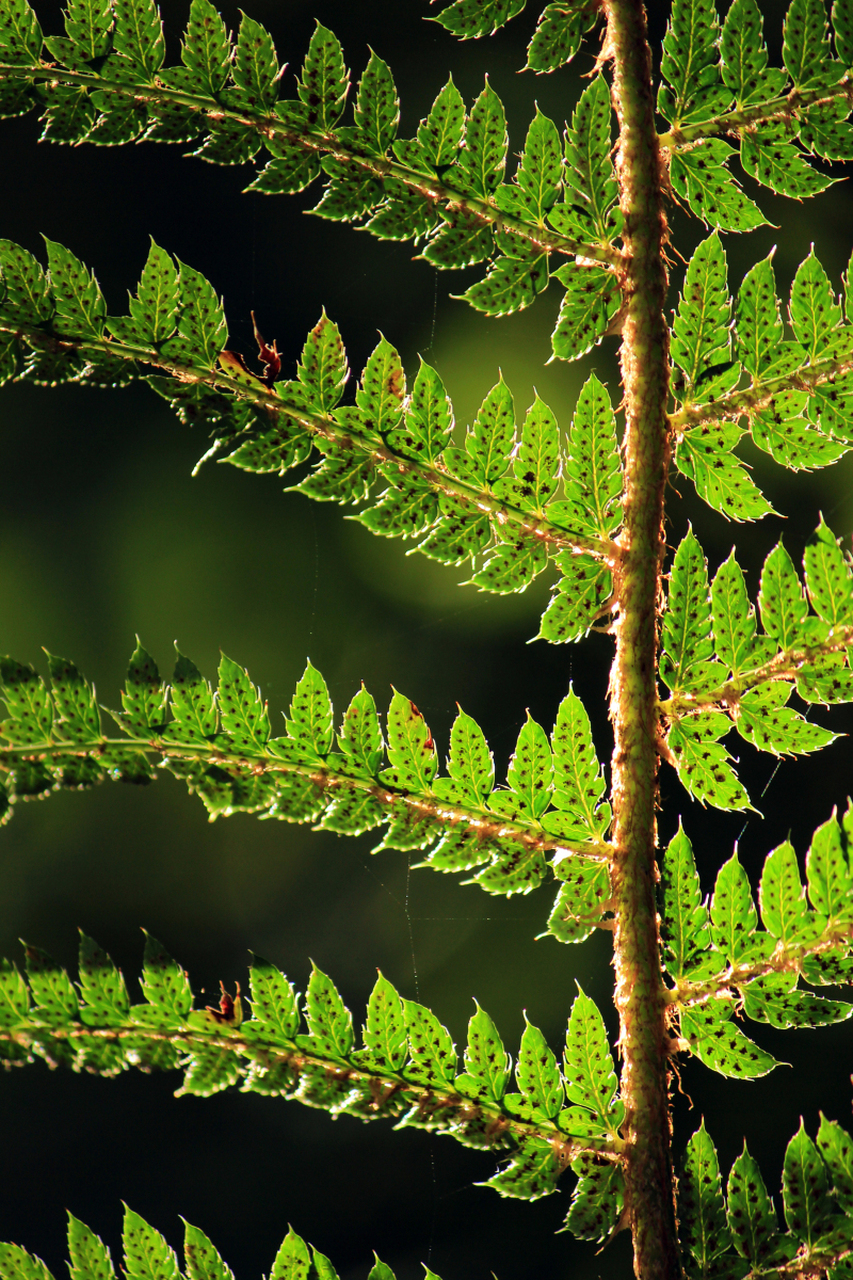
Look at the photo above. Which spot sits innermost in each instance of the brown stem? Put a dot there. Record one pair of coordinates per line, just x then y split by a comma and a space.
640, 996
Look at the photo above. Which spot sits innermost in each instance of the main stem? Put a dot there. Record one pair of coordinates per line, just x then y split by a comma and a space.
645, 373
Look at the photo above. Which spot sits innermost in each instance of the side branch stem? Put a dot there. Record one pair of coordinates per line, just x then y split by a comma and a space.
326, 427
480, 209
640, 994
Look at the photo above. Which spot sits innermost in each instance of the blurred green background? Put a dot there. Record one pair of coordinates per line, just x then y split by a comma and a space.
106, 534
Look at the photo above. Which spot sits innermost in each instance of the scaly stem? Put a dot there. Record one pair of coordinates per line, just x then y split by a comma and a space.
640, 997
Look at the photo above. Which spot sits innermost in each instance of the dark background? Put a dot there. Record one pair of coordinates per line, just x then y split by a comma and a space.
105, 534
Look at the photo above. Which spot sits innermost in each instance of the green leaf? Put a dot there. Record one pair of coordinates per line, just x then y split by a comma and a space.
429, 418
510, 285
25, 296
537, 1073
89, 1258
782, 897
155, 307
203, 1260
533, 1172
579, 905
292, 169
293, 1261
144, 696
17, 1264
593, 474
255, 65
242, 711
757, 319
27, 702
87, 26
699, 176
530, 769
102, 986
80, 307
765, 721
322, 368
201, 328
440, 134
829, 580
20, 35
432, 1052
702, 763
805, 46
329, 1021
274, 1001
815, 311
701, 335
377, 107
686, 634
360, 738
775, 1000
384, 1033
536, 460
164, 983
842, 23
752, 1218
767, 156
310, 723
14, 995
690, 65
538, 177
138, 34
588, 208
470, 765
588, 1063
147, 1256
704, 455
735, 638
598, 1198
467, 19
733, 915
744, 55
579, 783
54, 996
781, 600
590, 302
74, 699
380, 1270
783, 432
411, 751
324, 80
701, 1207
192, 704
206, 49
828, 874
722, 1046
836, 1147
685, 917
583, 595
487, 1064
480, 166
490, 440
383, 388
558, 35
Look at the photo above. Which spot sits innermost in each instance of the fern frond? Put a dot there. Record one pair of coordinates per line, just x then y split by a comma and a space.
224, 98
721, 961
781, 118
220, 743
798, 401
494, 499
738, 1233
406, 1069
723, 674
147, 1252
